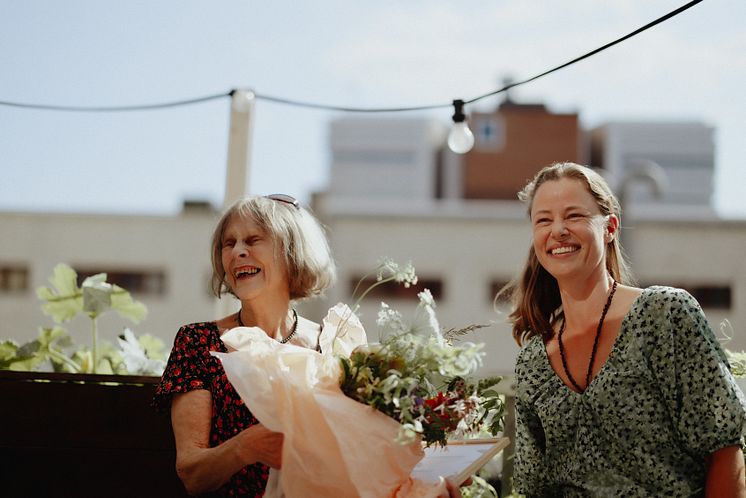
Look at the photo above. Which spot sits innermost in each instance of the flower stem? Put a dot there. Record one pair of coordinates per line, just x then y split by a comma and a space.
370, 288
65, 360
356, 306
94, 329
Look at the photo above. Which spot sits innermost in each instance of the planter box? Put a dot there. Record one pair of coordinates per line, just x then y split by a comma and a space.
81, 435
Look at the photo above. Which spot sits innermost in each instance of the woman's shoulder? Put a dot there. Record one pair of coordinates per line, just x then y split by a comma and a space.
533, 373
532, 356
667, 313
200, 327
197, 331
660, 298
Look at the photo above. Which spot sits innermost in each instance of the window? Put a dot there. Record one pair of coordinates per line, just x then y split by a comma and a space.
711, 296
489, 132
394, 290
135, 281
13, 278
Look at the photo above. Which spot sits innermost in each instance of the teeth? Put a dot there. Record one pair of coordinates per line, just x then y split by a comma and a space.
245, 271
563, 250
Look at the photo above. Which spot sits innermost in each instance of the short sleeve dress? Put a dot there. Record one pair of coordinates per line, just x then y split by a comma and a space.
662, 402
190, 366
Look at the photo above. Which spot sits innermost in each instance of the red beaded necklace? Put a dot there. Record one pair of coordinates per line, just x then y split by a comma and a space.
595, 343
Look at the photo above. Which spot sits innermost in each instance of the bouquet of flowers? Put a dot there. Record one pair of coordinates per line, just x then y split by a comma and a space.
416, 375
335, 444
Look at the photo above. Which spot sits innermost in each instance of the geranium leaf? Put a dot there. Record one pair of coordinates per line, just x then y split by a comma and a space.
64, 300
64, 280
153, 347
27, 364
56, 335
29, 349
8, 349
63, 310
122, 303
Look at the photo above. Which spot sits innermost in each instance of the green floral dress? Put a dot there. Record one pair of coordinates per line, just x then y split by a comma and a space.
662, 402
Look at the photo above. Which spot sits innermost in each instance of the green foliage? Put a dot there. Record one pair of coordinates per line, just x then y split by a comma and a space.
63, 301
94, 297
417, 377
479, 488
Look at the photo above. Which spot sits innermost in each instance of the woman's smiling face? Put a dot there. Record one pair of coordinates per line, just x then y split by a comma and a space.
252, 264
569, 231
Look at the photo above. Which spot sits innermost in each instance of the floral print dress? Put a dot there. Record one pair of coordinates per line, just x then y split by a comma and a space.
662, 402
191, 367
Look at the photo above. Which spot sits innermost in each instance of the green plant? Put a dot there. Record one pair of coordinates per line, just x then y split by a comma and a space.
417, 376
63, 301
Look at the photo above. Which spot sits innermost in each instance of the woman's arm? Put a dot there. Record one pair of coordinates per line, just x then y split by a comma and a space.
202, 468
725, 474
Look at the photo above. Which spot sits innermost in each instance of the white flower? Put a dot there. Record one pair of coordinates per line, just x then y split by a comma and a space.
425, 321
426, 298
96, 294
135, 359
390, 320
388, 268
341, 331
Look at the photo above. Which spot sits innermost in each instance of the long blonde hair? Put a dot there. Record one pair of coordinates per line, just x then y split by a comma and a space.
534, 294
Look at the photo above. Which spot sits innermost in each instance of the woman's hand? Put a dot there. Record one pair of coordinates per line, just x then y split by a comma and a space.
203, 468
265, 445
453, 489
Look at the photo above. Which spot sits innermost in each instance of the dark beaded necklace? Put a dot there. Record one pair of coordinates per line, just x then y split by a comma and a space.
292, 329
595, 343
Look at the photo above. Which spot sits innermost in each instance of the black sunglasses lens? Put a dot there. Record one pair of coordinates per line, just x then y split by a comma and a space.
287, 199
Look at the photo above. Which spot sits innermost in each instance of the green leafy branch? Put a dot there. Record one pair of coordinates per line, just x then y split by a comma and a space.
63, 301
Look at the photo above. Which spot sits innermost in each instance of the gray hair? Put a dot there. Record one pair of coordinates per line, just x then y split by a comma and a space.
297, 235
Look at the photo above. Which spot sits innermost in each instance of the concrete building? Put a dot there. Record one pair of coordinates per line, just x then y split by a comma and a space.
385, 158
512, 143
662, 167
163, 260
467, 248
394, 192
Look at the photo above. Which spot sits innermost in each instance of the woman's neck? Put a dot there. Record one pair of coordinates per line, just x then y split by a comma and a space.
270, 316
582, 300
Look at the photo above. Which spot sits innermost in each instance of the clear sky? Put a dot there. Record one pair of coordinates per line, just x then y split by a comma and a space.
375, 54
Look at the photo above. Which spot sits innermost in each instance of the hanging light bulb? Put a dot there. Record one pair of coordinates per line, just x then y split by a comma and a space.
460, 139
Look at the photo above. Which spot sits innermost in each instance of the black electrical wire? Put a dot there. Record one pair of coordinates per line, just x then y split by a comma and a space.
311, 105
144, 107
592, 52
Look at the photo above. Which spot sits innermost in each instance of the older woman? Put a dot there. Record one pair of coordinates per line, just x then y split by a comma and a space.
620, 391
268, 252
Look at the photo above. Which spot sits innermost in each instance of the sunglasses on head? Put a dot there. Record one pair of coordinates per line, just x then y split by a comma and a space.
287, 199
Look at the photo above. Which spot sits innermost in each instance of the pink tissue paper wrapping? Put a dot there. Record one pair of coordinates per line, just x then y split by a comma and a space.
333, 445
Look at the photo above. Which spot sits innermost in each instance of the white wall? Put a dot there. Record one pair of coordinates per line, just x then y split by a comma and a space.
178, 245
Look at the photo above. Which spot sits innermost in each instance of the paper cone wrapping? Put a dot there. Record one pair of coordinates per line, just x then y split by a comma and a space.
333, 445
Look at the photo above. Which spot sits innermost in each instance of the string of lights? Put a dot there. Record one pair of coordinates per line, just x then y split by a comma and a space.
460, 139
